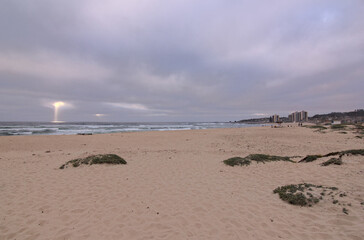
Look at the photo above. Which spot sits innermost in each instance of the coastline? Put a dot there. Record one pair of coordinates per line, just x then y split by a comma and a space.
175, 186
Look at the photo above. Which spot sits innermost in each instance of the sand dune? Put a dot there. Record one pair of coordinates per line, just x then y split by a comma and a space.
175, 186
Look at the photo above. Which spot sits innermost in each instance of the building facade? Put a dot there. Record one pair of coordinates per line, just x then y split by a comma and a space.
275, 118
298, 117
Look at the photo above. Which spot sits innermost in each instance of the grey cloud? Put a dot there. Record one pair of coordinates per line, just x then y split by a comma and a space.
182, 60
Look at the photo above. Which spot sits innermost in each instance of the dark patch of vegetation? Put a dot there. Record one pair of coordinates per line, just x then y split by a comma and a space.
346, 211
95, 159
237, 161
306, 194
267, 158
342, 132
289, 194
332, 154
259, 158
338, 126
319, 131
336, 161
360, 137
359, 127
295, 194
75, 164
311, 158
353, 152
320, 127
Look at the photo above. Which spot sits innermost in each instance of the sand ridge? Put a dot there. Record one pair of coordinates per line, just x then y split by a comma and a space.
175, 186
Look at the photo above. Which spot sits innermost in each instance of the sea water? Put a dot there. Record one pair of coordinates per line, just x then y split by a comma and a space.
70, 128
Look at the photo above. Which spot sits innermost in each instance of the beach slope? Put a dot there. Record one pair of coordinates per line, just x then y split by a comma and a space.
175, 186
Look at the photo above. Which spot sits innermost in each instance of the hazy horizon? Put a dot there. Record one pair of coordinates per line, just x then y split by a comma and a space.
99, 121
178, 61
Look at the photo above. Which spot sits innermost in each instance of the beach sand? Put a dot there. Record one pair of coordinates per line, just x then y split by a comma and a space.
175, 186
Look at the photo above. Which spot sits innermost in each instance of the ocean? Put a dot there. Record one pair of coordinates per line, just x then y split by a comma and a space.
72, 128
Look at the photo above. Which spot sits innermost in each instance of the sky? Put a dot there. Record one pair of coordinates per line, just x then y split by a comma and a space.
180, 60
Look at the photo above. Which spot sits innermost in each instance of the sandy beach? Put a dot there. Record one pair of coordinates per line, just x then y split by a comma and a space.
175, 186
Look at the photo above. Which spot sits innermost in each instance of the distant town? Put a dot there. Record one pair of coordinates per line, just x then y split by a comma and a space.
356, 116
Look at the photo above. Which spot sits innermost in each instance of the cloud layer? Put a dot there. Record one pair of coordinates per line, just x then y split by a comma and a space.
154, 60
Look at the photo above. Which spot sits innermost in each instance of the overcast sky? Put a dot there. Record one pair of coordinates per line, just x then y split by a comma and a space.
179, 60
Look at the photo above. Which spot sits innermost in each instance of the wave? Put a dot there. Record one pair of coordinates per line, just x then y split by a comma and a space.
34, 128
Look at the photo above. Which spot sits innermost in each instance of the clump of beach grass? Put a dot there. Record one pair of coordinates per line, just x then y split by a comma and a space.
338, 126
95, 159
295, 194
335, 161
237, 161
306, 194
311, 158
259, 158
353, 152
320, 127
359, 127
